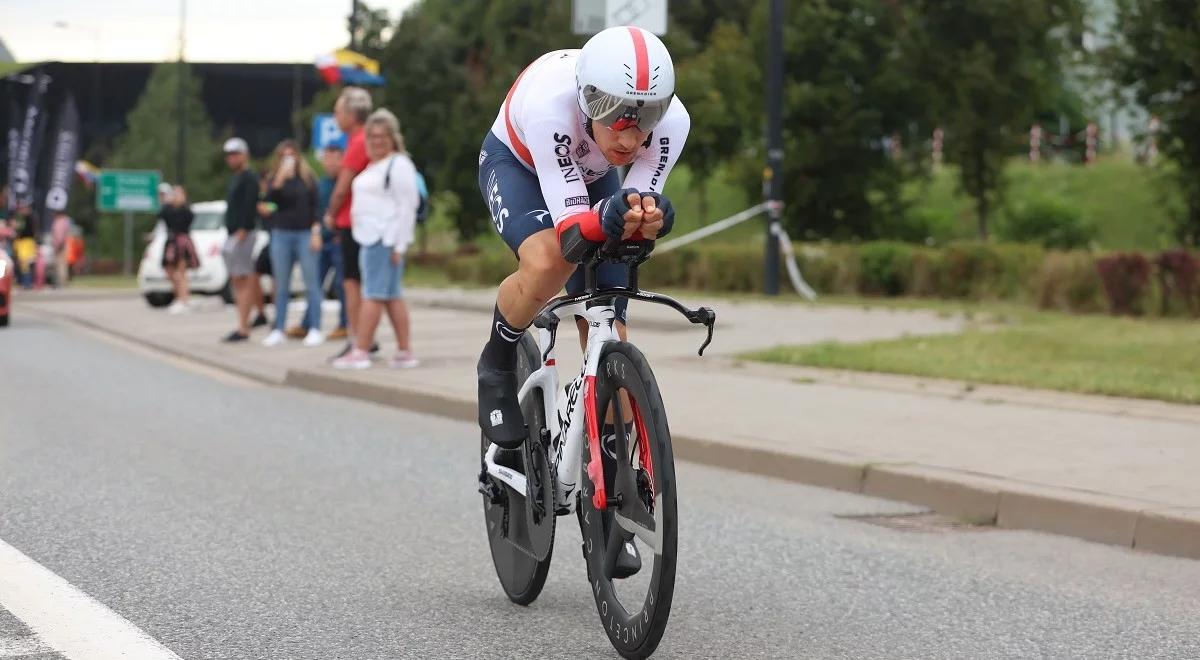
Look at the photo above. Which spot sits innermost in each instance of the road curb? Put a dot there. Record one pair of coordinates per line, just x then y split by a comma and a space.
1146, 526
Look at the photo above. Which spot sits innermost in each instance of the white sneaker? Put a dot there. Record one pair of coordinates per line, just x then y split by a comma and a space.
404, 360
274, 339
355, 359
314, 337
177, 307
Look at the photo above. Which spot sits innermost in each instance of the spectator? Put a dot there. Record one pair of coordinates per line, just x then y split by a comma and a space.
350, 111
179, 253
241, 200
60, 231
384, 215
76, 250
290, 189
331, 246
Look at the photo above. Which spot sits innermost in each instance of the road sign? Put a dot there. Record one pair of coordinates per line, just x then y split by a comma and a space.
128, 190
326, 133
592, 16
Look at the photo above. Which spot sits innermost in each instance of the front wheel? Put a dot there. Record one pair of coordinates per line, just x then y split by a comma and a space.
640, 506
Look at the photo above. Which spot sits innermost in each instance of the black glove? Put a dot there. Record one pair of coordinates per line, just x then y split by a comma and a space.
668, 211
612, 212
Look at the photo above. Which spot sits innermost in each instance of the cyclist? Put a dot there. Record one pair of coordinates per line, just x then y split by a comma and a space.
547, 171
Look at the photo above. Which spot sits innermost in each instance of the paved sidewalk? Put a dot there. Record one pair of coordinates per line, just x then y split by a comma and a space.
1112, 470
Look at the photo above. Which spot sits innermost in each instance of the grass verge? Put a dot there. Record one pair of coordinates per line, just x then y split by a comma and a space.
1143, 358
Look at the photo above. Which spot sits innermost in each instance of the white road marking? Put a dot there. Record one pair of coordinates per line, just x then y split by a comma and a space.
14, 647
66, 619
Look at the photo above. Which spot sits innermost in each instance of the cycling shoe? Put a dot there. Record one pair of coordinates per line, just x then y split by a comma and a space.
500, 416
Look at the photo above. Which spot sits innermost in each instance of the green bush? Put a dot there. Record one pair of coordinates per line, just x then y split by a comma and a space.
922, 280
966, 269
1068, 281
829, 268
1019, 265
1071, 281
483, 268
924, 225
885, 268
1047, 221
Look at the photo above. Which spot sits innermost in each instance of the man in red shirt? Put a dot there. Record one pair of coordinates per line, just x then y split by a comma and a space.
350, 112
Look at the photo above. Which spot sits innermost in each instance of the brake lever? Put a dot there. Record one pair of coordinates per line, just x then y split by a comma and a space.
709, 318
548, 321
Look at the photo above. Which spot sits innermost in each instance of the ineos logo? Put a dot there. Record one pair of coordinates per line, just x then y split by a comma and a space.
562, 149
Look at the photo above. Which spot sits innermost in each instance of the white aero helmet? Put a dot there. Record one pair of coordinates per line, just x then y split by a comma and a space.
625, 79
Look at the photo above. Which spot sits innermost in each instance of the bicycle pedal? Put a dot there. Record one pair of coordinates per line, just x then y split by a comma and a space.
490, 490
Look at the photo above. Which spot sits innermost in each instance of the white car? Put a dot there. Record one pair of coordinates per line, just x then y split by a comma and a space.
211, 278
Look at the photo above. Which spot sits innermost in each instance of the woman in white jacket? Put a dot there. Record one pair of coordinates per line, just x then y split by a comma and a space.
383, 215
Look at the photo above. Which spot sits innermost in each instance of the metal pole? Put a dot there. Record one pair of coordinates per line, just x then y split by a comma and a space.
127, 259
772, 188
181, 106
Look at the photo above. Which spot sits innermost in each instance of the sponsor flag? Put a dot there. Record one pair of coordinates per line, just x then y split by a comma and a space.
13, 143
63, 155
29, 143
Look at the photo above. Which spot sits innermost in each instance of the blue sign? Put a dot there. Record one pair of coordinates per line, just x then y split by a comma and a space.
326, 133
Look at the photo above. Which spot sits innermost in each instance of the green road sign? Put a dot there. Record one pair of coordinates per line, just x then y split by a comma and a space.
128, 190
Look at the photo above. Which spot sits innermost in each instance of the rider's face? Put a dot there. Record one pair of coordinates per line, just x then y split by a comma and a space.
619, 147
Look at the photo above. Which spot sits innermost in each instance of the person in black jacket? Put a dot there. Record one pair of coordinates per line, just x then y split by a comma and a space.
179, 253
289, 191
241, 198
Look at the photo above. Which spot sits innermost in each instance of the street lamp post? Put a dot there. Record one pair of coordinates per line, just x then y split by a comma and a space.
181, 106
772, 184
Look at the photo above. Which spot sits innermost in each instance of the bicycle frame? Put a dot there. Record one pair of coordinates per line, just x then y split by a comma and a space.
567, 433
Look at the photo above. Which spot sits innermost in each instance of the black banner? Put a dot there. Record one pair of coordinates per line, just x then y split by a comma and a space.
62, 158
14, 140
24, 168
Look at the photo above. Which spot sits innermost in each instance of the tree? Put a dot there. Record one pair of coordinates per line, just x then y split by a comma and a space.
722, 87
991, 67
1157, 57
846, 92
468, 53
150, 140
372, 29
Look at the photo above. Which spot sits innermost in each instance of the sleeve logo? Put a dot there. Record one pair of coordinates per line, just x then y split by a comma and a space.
581, 200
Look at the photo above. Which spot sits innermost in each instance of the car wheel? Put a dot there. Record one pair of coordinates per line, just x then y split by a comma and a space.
159, 299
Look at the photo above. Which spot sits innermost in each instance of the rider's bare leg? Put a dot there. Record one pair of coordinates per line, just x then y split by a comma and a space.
541, 274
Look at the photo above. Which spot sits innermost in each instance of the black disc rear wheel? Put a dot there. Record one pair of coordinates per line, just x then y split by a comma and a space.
520, 526
640, 503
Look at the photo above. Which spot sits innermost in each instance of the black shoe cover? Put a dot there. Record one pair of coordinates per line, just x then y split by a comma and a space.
500, 415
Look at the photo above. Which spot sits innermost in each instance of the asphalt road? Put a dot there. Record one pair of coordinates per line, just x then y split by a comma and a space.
232, 520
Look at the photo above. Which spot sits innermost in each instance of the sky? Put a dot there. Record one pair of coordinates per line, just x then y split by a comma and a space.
148, 30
